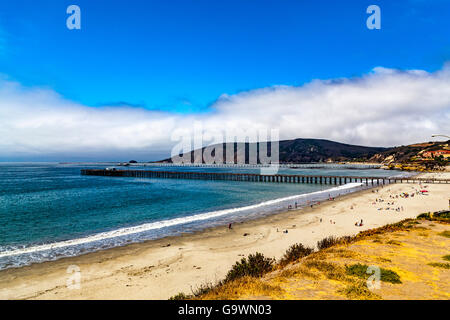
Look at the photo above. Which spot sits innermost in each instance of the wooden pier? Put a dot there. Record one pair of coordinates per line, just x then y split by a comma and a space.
254, 177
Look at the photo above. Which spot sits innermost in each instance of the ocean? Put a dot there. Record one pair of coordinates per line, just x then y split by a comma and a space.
49, 210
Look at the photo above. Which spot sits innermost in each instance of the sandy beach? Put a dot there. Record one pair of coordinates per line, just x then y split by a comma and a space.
162, 268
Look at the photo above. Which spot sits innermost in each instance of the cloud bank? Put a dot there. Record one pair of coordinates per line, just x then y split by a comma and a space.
385, 107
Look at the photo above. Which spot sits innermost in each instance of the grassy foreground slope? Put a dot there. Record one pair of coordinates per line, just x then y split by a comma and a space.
412, 257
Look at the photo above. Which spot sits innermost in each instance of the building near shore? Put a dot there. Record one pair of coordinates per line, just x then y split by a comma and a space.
436, 153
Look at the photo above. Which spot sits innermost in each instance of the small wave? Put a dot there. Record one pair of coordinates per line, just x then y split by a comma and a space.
121, 232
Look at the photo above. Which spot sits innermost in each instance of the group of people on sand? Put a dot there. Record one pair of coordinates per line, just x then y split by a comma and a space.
359, 224
290, 207
404, 195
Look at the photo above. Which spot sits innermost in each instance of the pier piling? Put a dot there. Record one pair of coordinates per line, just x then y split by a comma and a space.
252, 177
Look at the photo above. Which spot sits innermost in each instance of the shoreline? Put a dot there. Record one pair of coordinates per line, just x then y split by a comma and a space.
217, 218
158, 269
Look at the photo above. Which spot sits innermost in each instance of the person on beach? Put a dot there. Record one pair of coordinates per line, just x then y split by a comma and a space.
229, 226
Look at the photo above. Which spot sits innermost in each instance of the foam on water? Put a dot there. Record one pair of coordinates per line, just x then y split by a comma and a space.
15, 257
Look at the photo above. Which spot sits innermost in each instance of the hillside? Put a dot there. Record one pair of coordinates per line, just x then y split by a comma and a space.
308, 151
409, 267
424, 156
419, 156
409, 153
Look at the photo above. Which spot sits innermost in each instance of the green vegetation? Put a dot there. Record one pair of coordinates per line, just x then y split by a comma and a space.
245, 274
255, 265
435, 216
295, 252
360, 270
394, 242
327, 242
196, 292
180, 296
445, 233
441, 161
203, 289
442, 214
445, 265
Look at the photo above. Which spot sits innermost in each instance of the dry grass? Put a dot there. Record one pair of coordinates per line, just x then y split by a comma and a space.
338, 270
359, 291
246, 286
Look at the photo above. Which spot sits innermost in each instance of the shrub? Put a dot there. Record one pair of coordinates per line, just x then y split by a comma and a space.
394, 242
360, 270
198, 291
442, 214
255, 265
295, 252
327, 242
447, 257
180, 296
440, 265
445, 233
435, 216
424, 216
203, 289
399, 226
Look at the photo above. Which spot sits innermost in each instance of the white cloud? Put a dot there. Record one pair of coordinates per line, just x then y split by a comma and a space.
383, 108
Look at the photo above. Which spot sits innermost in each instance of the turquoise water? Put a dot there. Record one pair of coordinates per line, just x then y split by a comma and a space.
49, 210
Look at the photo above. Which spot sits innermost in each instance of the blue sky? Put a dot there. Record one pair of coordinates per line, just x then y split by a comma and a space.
140, 70
182, 55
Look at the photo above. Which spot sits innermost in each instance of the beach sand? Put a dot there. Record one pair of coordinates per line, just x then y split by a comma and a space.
162, 268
